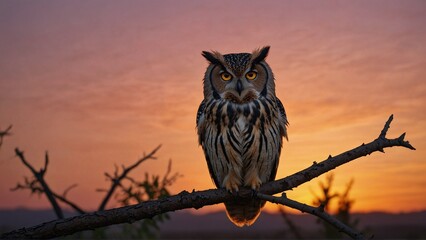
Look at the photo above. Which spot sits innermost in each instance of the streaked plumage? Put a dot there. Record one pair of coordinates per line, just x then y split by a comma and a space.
240, 126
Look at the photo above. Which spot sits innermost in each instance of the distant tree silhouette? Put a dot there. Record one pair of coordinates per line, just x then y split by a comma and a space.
127, 190
343, 212
324, 200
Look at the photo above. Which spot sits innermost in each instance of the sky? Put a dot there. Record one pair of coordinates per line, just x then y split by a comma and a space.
98, 83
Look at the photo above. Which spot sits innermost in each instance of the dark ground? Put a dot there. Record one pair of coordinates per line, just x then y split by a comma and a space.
184, 225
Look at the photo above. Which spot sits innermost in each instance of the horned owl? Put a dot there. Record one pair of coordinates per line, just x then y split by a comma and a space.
240, 125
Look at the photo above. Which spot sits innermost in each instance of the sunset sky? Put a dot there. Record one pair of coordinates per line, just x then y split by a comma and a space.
98, 83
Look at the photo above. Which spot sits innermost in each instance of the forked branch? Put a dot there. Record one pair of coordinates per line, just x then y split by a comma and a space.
39, 175
183, 200
33, 187
117, 178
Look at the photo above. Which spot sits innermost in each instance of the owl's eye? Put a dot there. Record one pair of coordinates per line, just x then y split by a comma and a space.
225, 76
251, 75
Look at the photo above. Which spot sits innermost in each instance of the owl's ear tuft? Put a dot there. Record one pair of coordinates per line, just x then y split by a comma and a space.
260, 55
211, 57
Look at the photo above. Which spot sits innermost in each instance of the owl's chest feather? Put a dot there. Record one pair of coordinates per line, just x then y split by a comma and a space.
241, 123
236, 124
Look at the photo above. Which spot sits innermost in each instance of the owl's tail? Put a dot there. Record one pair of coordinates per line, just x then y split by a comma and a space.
243, 211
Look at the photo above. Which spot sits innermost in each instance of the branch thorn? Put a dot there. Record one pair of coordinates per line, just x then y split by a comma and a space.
401, 138
405, 143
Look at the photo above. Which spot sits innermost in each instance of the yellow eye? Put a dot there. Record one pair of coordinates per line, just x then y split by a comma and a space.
251, 75
225, 76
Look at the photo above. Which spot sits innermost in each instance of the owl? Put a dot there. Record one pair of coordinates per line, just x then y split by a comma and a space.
241, 124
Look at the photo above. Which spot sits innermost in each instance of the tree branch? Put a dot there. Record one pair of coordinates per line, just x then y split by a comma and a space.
115, 181
5, 133
68, 202
62, 198
386, 127
183, 200
40, 178
317, 211
331, 163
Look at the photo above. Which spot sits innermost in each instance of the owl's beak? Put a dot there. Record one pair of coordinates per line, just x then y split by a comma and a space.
239, 87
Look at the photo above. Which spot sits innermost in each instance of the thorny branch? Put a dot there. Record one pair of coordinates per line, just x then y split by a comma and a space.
331, 162
183, 200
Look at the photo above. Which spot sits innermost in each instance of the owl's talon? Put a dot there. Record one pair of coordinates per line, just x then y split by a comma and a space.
256, 185
231, 182
231, 187
253, 181
235, 190
234, 193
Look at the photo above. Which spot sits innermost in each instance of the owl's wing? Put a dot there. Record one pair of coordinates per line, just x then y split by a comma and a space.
201, 129
282, 118
200, 111
199, 122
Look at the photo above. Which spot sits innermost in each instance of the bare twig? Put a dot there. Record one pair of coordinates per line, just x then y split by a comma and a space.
386, 127
115, 181
40, 178
198, 199
5, 133
151, 188
169, 180
40, 190
68, 202
69, 189
317, 211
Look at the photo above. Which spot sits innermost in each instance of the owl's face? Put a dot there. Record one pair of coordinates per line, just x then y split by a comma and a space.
239, 77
